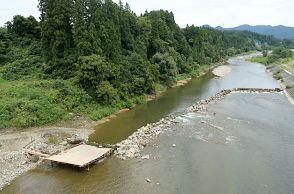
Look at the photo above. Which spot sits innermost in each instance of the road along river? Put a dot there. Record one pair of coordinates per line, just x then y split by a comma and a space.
241, 144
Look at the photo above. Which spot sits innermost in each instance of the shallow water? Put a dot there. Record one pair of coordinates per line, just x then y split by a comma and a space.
243, 74
248, 149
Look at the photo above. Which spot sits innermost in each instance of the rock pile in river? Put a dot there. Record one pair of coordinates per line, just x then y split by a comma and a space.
130, 148
257, 90
202, 104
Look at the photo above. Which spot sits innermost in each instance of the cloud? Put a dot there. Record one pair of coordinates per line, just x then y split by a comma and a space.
227, 12
11, 8
198, 12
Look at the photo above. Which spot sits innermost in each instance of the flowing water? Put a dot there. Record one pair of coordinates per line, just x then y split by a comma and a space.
250, 150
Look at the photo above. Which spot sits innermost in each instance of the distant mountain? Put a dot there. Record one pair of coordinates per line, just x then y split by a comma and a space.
280, 31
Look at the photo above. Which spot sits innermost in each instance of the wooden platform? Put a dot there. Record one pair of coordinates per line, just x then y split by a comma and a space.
81, 156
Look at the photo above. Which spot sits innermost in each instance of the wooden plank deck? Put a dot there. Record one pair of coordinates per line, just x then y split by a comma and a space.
81, 156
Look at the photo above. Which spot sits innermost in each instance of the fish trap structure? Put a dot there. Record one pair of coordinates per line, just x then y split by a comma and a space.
81, 156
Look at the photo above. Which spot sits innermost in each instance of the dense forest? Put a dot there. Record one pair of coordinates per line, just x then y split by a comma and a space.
93, 57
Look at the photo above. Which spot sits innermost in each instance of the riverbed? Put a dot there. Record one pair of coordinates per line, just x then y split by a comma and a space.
250, 150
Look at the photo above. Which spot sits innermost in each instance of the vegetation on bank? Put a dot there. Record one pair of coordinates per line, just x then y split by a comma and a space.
92, 57
280, 55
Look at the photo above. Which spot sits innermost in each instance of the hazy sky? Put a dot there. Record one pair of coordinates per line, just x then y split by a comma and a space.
198, 12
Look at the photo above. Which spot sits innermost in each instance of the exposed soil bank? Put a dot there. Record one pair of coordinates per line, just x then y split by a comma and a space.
130, 148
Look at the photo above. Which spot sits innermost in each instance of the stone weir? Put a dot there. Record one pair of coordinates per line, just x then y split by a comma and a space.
130, 148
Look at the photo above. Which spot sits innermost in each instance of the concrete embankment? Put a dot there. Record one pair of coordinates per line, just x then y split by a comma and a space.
130, 148
286, 81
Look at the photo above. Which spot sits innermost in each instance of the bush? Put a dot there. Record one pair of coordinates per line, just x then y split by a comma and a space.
26, 113
272, 58
282, 52
25, 68
264, 53
278, 76
106, 94
92, 71
137, 76
167, 68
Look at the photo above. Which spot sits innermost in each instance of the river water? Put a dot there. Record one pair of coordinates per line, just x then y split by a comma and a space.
251, 150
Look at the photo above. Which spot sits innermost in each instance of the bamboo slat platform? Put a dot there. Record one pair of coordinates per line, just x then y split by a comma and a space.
81, 156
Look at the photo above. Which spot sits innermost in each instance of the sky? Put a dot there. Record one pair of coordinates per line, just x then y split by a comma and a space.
226, 13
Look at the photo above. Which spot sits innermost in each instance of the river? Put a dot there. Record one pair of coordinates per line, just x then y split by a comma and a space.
252, 154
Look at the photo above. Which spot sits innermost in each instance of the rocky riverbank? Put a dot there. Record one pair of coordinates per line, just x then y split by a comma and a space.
130, 148
14, 148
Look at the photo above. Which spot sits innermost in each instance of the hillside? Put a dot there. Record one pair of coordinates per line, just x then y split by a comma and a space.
92, 60
281, 32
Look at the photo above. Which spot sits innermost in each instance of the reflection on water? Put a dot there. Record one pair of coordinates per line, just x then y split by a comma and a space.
246, 147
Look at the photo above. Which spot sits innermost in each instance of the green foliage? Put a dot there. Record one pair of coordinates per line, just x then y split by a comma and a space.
23, 105
259, 59
93, 70
94, 57
264, 53
272, 58
25, 68
232, 51
137, 76
282, 52
278, 76
57, 36
106, 94
279, 55
167, 68
22, 26
52, 139
31, 103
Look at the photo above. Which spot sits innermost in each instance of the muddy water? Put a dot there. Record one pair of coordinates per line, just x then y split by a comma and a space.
250, 152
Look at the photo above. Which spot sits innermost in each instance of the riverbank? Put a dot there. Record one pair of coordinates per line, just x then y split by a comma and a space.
52, 139
186, 78
282, 70
131, 147
14, 145
285, 79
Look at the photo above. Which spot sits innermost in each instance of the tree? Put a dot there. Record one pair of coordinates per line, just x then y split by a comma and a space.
264, 53
92, 71
57, 36
137, 75
22, 26
85, 36
167, 68
106, 94
4, 46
